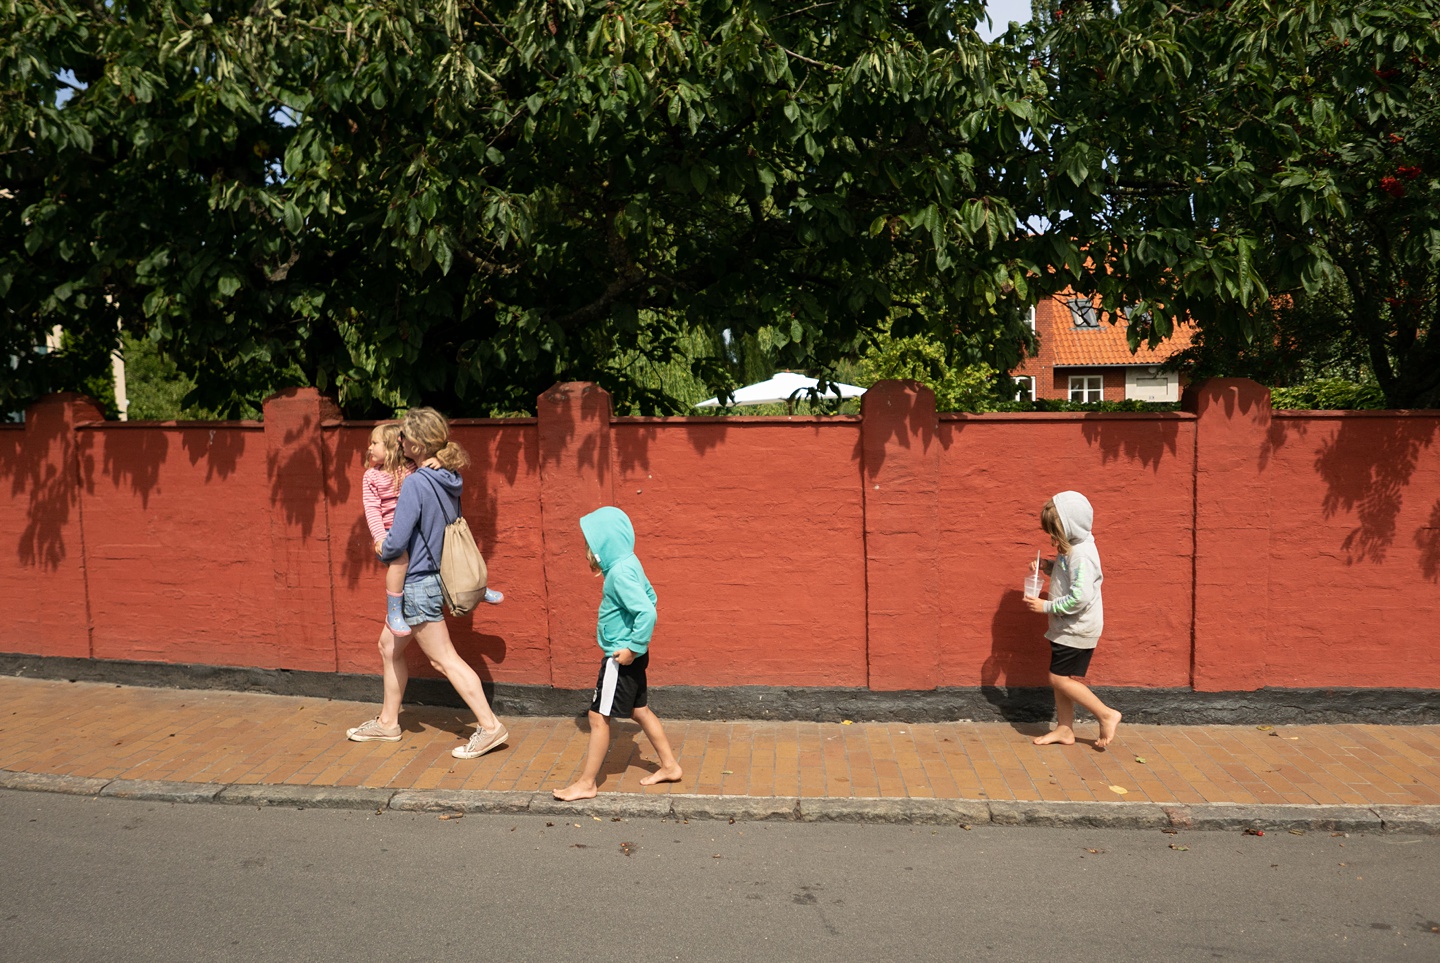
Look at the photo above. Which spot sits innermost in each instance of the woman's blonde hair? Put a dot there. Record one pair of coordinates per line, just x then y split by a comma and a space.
394, 465
428, 428
1051, 524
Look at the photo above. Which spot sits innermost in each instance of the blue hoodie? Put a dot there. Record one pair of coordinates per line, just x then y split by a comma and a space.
421, 514
627, 603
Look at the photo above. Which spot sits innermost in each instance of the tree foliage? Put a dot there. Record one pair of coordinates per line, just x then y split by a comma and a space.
462, 202
1234, 150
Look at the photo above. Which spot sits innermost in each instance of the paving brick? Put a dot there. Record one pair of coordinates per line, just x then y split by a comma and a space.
245, 743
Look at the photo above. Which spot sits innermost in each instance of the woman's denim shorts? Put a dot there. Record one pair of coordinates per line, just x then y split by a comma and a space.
423, 600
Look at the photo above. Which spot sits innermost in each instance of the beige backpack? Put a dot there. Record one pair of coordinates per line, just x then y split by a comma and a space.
463, 576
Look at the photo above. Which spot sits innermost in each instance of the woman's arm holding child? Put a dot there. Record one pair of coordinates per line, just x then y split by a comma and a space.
407, 517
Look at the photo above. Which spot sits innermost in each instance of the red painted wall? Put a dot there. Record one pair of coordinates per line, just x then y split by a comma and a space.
752, 534
1242, 548
1354, 549
1137, 471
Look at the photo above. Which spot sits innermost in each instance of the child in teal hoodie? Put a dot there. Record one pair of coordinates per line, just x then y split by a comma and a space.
623, 629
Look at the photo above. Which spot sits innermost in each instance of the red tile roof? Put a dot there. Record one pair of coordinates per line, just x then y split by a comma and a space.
1064, 345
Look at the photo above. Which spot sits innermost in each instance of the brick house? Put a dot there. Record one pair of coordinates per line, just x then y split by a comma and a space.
1084, 357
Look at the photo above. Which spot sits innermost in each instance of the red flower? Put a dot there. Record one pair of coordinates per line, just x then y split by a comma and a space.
1409, 173
1392, 186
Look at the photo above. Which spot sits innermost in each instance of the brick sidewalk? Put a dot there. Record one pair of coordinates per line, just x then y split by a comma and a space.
112, 732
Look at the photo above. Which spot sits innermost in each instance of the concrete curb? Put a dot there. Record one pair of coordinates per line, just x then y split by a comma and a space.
1222, 817
45, 782
161, 791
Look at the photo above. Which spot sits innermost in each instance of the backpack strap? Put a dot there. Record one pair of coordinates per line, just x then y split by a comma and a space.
444, 513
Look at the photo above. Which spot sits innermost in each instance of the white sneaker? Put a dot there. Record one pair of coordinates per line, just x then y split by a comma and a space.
481, 742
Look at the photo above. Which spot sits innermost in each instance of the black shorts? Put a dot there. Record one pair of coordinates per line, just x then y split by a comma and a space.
620, 689
1068, 660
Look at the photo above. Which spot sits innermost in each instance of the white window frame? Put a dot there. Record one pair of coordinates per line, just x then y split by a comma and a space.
1030, 320
1089, 387
1083, 312
1024, 387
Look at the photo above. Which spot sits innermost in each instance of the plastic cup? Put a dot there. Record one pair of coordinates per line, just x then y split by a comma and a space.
1033, 585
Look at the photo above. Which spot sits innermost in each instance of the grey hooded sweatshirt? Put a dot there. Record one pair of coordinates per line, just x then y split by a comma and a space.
1076, 613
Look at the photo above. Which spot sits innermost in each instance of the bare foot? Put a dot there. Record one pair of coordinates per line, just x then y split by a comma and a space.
1061, 735
574, 791
663, 774
1108, 725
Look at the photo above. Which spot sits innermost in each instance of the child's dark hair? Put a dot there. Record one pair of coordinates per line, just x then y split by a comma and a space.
1051, 525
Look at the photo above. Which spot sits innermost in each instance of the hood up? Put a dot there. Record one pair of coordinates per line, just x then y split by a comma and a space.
1075, 515
609, 534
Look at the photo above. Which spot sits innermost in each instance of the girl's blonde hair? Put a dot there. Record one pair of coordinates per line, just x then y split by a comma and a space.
428, 428
394, 464
1050, 523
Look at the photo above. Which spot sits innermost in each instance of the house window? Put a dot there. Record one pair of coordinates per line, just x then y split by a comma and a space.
1083, 312
1134, 312
1030, 318
1024, 388
1087, 388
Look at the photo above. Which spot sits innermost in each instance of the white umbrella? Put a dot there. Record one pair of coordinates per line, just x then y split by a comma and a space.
782, 388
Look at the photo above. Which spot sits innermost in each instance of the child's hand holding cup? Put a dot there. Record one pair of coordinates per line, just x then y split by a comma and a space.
1034, 582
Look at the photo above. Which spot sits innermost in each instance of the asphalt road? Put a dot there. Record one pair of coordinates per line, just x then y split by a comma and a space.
113, 880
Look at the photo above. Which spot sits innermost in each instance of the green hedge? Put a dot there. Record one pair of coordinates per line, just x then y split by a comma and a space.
1330, 394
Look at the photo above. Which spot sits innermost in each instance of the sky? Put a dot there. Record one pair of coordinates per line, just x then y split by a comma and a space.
1002, 12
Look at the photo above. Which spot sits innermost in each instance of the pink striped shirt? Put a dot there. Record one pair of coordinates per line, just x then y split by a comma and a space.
378, 494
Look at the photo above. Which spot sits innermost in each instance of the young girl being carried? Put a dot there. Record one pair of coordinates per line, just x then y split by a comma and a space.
379, 491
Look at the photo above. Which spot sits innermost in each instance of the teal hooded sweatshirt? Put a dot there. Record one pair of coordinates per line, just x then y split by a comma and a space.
627, 603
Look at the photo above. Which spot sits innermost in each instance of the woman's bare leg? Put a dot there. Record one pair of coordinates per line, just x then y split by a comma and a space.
394, 674
434, 639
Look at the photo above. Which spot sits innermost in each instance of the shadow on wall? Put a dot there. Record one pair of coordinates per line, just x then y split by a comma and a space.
920, 422
488, 463
1019, 657
132, 458
299, 502
42, 455
219, 447
480, 649
1147, 441
51, 497
632, 447
1366, 467
559, 427
1427, 540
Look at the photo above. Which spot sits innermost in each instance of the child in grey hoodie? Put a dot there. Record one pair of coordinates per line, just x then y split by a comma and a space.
1076, 616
